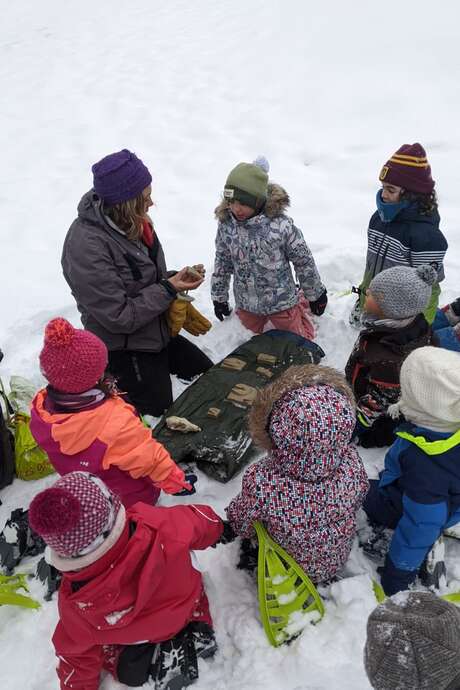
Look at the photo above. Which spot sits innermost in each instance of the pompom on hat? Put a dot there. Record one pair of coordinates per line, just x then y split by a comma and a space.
72, 360
77, 516
119, 177
409, 168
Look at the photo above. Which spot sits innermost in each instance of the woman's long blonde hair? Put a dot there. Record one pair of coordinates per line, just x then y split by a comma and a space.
129, 216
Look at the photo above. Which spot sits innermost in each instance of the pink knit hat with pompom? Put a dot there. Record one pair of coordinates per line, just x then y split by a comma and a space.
72, 360
75, 515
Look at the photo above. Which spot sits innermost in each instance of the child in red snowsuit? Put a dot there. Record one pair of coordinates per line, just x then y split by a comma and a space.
130, 598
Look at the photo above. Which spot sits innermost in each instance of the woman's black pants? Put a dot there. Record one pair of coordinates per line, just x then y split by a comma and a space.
145, 376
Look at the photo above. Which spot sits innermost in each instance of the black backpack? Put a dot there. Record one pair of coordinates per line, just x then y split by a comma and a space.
6, 440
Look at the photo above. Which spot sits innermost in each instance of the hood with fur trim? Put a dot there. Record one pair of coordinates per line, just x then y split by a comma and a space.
277, 203
307, 375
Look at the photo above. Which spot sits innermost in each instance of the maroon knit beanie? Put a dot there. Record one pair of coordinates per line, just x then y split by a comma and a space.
409, 168
75, 515
72, 360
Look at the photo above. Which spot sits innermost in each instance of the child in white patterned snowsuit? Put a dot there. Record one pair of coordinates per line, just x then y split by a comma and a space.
256, 243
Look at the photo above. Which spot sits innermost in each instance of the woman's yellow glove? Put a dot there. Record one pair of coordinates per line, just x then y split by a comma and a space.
195, 323
177, 314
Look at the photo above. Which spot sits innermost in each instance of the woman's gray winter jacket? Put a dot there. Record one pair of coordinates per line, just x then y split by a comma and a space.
258, 253
115, 283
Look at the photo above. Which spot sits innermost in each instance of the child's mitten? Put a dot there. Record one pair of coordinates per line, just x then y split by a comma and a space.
191, 479
221, 309
174, 482
319, 305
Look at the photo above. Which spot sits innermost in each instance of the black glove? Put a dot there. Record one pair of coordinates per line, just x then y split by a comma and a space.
228, 535
319, 305
455, 306
221, 309
380, 434
191, 478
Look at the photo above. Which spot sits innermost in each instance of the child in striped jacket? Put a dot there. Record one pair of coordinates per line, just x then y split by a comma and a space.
404, 230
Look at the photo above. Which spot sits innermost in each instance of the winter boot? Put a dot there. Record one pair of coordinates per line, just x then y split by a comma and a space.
47, 574
175, 661
249, 554
377, 544
433, 569
204, 639
18, 541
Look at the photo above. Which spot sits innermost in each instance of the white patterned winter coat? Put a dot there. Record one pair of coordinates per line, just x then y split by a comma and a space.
258, 252
308, 490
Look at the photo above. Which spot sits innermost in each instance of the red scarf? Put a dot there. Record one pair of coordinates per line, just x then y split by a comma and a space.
147, 233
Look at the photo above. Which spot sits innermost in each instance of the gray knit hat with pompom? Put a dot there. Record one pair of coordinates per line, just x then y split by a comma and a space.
413, 643
402, 291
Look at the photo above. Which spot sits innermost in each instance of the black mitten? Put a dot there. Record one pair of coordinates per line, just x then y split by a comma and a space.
319, 305
221, 309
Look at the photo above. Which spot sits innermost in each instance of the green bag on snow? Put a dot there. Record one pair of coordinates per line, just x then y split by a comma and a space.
31, 461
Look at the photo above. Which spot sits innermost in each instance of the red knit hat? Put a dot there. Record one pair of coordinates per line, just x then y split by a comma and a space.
75, 515
72, 360
409, 168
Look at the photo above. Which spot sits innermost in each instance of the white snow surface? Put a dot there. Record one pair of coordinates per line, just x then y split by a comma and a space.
326, 91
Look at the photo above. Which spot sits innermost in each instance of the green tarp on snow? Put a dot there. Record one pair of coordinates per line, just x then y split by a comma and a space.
218, 403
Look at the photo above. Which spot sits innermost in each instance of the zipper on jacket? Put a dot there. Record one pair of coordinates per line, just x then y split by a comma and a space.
136, 368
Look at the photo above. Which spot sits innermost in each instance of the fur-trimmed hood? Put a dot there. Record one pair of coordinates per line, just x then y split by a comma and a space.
277, 203
307, 375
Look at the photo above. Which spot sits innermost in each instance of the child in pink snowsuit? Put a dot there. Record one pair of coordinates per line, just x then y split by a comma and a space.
82, 426
256, 243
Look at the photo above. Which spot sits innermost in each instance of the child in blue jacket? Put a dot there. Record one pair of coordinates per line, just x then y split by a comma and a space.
418, 494
446, 326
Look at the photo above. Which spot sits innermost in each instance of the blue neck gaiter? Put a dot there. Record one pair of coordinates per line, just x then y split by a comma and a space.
388, 211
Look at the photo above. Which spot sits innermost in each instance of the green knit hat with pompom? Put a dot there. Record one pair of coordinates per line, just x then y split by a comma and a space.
247, 183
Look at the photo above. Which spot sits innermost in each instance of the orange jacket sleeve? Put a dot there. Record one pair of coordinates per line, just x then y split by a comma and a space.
132, 448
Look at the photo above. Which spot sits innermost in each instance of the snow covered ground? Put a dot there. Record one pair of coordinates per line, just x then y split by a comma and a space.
327, 91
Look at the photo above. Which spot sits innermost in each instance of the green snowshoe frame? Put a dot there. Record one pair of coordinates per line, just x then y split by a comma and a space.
9, 584
380, 595
280, 578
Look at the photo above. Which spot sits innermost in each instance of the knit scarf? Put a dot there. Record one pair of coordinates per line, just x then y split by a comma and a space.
388, 211
75, 402
371, 321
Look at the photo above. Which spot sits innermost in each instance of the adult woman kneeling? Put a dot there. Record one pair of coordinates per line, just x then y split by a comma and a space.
114, 264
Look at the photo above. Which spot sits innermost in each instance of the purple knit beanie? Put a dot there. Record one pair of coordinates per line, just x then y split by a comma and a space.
119, 177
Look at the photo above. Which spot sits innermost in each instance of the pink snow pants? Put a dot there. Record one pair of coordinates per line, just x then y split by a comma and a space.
296, 319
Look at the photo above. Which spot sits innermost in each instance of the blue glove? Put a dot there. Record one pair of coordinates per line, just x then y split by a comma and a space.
190, 478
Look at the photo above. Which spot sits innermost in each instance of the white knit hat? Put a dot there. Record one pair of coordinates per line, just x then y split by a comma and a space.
430, 389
